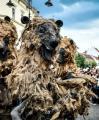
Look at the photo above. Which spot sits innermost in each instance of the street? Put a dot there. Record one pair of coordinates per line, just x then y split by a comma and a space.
93, 113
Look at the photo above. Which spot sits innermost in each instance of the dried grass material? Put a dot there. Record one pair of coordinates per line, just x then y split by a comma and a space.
58, 99
8, 29
31, 66
48, 97
88, 78
72, 83
64, 61
77, 100
8, 36
82, 79
31, 34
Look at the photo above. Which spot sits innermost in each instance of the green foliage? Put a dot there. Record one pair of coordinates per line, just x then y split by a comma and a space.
83, 63
93, 64
80, 60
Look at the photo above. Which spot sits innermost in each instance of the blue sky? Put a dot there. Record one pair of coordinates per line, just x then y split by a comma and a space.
80, 17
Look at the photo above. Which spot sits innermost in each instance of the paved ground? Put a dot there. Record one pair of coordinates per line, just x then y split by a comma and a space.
93, 113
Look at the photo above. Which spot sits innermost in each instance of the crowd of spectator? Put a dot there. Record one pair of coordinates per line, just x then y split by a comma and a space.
94, 72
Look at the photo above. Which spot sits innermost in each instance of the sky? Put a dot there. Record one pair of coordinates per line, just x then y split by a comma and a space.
80, 18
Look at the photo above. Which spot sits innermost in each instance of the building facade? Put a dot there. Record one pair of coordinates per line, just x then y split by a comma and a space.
16, 11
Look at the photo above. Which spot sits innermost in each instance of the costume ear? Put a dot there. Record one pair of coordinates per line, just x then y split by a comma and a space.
25, 20
7, 18
59, 23
71, 41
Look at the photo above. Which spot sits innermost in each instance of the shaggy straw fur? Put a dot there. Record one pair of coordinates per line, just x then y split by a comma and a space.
7, 30
8, 36
31, 66
68, 65
34, 82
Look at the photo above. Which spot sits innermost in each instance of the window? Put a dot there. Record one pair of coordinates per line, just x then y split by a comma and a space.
13, 13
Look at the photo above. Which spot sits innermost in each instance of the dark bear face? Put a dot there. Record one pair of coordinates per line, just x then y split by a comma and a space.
49, 37
66, 51
62, 56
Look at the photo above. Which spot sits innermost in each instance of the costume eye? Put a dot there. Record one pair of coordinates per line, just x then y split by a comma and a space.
71, 41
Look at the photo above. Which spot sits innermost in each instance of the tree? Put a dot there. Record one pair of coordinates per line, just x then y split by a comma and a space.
93, 64
80, 60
